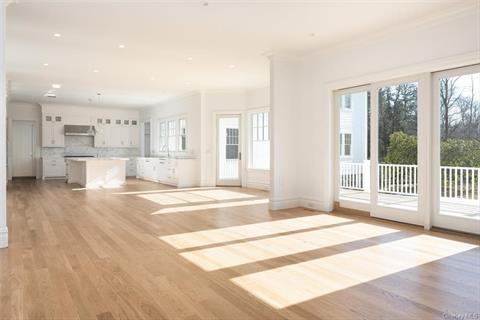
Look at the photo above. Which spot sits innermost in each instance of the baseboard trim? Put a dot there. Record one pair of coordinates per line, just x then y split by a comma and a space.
313, 204
3, 237
257, 185
284, 204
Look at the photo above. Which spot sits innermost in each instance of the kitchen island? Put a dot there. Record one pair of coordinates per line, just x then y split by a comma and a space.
94, 173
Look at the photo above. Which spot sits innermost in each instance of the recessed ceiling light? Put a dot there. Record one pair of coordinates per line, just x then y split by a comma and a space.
121, 46
96, 71
57, 35
56, 86
189, 58
152, 78
231, 66
45, 64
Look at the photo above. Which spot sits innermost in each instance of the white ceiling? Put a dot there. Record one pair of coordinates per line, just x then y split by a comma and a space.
227, 41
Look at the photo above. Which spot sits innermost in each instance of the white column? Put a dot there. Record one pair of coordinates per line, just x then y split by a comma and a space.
3, 136
284, 157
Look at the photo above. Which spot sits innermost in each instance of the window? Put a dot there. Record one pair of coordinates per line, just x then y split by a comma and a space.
260, 141
163, 136
172, 135
347, 101
348, 145
345, 144
182, 135
232, 143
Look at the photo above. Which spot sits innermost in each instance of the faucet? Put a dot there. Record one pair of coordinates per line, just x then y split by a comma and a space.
165, 146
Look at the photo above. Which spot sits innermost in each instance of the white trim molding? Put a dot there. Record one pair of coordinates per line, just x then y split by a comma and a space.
3, 237
280, 204
313, 204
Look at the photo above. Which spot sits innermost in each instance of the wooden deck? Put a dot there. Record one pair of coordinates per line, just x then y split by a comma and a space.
456, 207
146, 251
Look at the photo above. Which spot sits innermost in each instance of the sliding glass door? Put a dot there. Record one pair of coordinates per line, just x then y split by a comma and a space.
396, 145
381, 149
353, 148
456, 174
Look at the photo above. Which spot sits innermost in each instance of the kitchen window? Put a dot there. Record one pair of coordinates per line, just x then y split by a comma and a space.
172, 135
260, 141
182, 137
163, 136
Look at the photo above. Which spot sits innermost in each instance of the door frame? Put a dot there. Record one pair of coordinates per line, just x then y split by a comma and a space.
336, 163
34, 144
420, 216
437, 219
241, 166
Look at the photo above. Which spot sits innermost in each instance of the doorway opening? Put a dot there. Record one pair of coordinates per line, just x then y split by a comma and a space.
23, 149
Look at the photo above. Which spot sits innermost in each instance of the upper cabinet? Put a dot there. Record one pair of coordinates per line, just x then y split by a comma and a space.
114, 128
117, 133
52, 131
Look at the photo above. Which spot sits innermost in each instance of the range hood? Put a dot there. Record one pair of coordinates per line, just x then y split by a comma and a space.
75, 130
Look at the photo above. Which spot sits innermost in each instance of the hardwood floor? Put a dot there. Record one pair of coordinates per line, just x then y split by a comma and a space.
146, 251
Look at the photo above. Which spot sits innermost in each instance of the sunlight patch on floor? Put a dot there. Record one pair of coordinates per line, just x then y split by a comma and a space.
217, 205
169, 190
285, 286
220, 235
162, 199
222, 194
211, 259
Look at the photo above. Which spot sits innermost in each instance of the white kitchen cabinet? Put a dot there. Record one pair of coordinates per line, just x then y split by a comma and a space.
134, 134
53, 168
101, 136
52, 131
147, 168
180, 173
131, 167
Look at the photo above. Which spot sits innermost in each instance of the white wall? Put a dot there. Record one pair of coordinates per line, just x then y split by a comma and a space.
86, 115
3, 138
442, 42
225, 102
285, 159
201, 110
188, 106
27, 112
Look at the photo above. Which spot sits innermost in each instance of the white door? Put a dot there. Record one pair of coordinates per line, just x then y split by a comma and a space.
229, 155
23, 137
456, 149
399, 179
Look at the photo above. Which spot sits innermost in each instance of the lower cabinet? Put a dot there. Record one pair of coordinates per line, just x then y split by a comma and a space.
180, 173
53, 168
131, 167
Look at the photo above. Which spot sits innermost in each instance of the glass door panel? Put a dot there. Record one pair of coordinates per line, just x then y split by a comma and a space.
228, 150
457, 103
397, 183
354, 148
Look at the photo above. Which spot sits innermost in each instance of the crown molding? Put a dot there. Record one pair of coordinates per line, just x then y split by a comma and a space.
427, 21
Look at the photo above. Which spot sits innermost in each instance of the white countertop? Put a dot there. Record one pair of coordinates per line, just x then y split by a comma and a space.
186, 157
96, 159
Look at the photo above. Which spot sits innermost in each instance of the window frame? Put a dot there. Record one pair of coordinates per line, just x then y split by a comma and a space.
168, 137
258, 133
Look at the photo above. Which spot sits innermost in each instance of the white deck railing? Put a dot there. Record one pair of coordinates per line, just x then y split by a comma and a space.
352, 176
456, 182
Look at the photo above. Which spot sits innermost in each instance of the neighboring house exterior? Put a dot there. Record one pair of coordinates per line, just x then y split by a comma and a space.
353, 127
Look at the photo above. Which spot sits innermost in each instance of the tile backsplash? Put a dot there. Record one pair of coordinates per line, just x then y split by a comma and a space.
83, 145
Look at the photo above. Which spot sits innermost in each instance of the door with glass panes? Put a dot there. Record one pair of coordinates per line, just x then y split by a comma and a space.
229, 156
